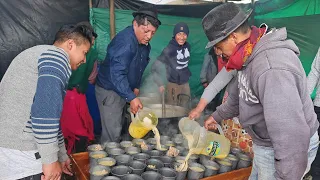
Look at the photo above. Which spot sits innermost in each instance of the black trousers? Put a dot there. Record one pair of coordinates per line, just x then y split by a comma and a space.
80, 145
33, 177
315, 167
38, 177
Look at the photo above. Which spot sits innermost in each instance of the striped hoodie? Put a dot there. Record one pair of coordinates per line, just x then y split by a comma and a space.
53, 74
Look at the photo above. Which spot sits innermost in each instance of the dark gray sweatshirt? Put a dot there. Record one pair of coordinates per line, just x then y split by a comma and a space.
209, 68
272, 101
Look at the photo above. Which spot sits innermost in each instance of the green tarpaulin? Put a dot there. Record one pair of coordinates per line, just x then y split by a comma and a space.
290, 8
306, 38
301, 18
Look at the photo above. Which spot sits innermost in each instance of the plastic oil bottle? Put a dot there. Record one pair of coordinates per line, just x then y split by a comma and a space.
144, 121
204, 142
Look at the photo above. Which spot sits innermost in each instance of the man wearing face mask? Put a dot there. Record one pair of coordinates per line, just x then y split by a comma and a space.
175, 57
270, 94
120, 75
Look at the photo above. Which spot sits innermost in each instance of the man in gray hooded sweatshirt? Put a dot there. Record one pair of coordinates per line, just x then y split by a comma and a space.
270, 94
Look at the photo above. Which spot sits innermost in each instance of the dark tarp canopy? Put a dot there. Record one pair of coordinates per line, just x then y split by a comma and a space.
32, 22
187, 10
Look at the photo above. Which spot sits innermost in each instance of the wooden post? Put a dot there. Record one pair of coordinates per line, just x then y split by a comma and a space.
112, 19
90, 4
90, 13
253, 12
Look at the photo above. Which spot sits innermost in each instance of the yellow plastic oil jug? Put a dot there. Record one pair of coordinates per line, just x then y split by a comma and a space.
204, 142
142, 122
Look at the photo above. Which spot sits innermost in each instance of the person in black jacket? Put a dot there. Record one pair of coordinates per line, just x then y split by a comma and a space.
120, 75
176, 58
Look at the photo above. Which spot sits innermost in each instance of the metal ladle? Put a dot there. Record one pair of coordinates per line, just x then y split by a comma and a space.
163, 105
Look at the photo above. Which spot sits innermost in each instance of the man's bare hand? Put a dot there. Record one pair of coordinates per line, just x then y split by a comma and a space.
136, 91
210, 123
135, 105
195, 113
205, 85
66, 167
51, 171
161, 89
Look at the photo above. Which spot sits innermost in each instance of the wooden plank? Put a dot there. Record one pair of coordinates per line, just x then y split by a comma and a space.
112, 19
80, 166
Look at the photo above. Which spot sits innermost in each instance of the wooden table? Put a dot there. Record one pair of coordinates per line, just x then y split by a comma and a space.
80, 166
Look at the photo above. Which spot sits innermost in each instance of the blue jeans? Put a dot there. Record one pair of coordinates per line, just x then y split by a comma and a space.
263, 161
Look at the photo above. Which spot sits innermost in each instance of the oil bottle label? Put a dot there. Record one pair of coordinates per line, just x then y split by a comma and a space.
213, 149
